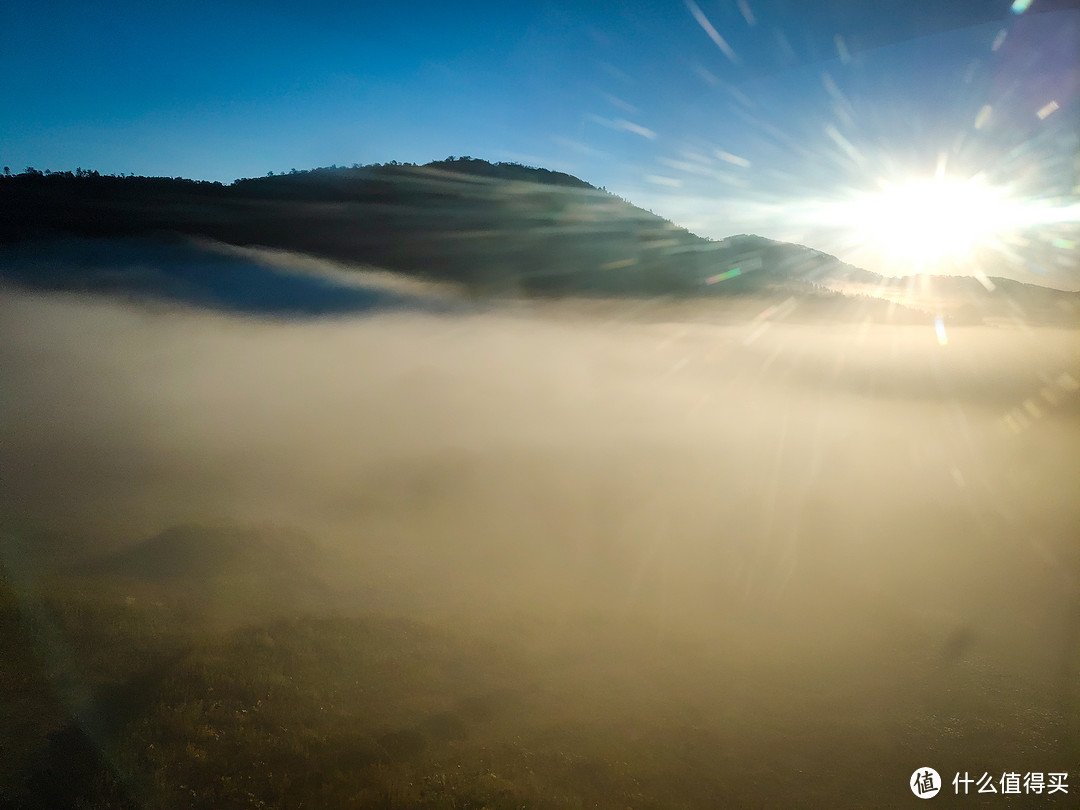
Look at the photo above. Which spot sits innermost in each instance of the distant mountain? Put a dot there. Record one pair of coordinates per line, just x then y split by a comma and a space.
966, 299
495, 227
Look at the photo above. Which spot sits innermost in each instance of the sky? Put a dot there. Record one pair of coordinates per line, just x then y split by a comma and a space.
726, 117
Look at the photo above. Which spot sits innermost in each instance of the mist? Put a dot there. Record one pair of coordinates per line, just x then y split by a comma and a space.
787, 540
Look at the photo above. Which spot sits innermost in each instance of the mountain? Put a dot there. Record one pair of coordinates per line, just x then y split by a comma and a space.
494, 227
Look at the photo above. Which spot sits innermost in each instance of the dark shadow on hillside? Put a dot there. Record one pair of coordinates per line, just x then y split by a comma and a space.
229, 573
186, 273
73, 773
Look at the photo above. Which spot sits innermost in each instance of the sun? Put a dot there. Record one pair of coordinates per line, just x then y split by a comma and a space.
943, 224
928, 221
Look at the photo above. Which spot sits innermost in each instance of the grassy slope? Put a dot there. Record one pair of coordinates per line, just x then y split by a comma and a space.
150, 700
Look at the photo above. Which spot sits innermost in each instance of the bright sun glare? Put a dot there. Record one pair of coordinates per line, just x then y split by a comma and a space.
926, 221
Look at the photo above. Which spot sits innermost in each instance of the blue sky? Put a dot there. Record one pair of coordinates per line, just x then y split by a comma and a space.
716, 114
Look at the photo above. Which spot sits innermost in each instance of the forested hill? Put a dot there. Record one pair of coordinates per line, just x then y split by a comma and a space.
495, 226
